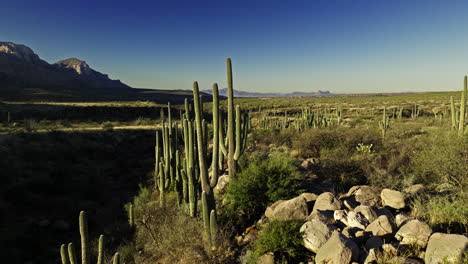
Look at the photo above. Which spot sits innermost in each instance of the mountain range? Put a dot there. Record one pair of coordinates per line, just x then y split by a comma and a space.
244, 94
20, 68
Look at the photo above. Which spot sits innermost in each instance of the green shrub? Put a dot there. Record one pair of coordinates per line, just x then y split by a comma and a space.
283, 239
443, 160
261, 183
445, 213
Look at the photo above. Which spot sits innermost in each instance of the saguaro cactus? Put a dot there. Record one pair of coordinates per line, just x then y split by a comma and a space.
116, 258
461, 123
72, 254
131, 219
100, 259
454, 113
236, 133
84, 237
384, 124
63, 254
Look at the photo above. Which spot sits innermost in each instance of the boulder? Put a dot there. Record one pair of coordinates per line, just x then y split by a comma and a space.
337, 250
393, 199
367, 211
327, 202
325, 216
445, 246
382, 226
390, 249
267, 258
223, 182
362, 195
294, 209
414, 232
401, 219
310, 197
351, 219
316, 233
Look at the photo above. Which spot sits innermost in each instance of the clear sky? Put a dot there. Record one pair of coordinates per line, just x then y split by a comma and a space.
349, 46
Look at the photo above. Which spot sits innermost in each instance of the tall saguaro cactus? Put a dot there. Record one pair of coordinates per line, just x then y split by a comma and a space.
461, 123
236, 130
83, 221
384, 124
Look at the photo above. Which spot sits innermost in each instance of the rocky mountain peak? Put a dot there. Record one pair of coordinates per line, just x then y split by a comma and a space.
79, 66
20, 51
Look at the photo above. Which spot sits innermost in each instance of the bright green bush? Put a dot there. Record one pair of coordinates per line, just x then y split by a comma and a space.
283, 239
264, 181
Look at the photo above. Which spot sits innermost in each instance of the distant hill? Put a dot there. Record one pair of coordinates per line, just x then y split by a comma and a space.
244, 94
24, 76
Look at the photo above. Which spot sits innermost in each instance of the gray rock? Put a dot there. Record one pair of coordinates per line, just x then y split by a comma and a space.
382, 226
393, 199
362, 195
327, 202
268, 258
325, 216
294, 209
310, 197
351, 219
367, 211
316, 233
337, 250
223, 182
445, 246
414, 232
401, 219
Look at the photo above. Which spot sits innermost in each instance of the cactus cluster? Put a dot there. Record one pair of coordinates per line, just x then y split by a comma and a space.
305, 119
187, 164
68, 253
458, 117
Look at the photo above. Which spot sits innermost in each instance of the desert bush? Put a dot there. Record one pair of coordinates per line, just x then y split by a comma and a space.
445, 213
443, 160
261, 183
282, 137
169, 235
312, 142
283, 239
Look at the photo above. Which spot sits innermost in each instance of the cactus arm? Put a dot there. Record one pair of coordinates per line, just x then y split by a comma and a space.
64, 254
214, 163
72, 254
230, 117
100, 259
200, 141
461, 123
84, 237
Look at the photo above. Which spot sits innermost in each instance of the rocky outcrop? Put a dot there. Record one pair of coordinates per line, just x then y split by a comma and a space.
294, 209
414, 232
446, 247
355, 228
316, 233
382, 226
337, 250
393, 199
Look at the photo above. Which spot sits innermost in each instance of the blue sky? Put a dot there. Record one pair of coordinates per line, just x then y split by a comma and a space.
349, 46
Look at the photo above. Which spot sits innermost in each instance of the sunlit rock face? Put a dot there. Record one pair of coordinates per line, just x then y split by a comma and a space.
20, 51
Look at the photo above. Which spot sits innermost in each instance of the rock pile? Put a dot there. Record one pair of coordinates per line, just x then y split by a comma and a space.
362, 224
